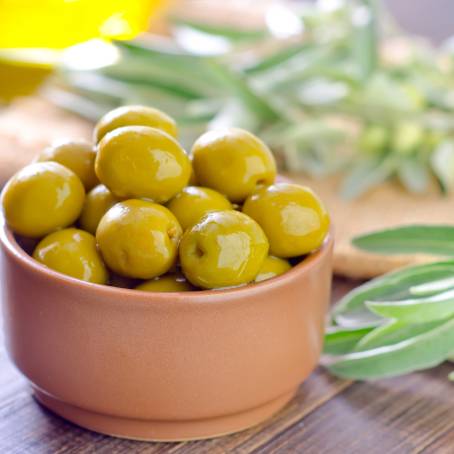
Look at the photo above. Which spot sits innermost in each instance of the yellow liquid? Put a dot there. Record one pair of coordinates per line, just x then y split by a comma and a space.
57, 24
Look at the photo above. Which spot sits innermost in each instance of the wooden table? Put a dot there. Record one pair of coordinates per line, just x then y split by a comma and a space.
411, 414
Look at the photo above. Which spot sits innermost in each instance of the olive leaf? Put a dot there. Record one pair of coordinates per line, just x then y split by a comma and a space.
339, 340
235, 34
432, 287
422, 351
396, 284
364, 36
442, 162
414, 175
434, 239
416, 310
332, 73
392, 332
367, 173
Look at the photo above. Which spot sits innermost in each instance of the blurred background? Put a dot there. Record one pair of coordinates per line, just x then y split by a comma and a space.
354, 97
350, 87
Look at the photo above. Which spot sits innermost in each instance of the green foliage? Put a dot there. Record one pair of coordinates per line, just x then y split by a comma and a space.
339, 104
400, 322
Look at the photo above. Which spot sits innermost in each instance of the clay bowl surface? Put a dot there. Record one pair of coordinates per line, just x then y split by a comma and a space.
163, 366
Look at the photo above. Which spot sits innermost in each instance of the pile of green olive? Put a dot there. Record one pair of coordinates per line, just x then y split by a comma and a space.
135, 210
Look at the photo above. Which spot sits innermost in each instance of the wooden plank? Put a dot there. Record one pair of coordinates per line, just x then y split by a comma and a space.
26, 427
401, 415
444, 444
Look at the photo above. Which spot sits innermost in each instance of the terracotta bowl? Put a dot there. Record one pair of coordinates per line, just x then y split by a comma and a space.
163, 366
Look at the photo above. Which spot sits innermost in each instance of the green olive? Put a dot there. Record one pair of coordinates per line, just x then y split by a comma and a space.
134, 116
194, 202
166, 283
77, 155
72, 252
272, 267
234, 162
97, 202
226, 248
139, 239
41, 198
292, 216
142, 162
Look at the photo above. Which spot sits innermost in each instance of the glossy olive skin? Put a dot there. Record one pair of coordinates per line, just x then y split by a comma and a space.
142, 162
226, 248
134, 116
272, 267
139, 239
233, 162
72, 252
97, 202
292, 217
194, 202
166, 283
192, 179
41, 198
77, 155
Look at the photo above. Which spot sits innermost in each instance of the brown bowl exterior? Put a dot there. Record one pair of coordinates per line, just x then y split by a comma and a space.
163, 366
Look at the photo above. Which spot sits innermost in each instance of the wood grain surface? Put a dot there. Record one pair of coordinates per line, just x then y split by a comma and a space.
412, 414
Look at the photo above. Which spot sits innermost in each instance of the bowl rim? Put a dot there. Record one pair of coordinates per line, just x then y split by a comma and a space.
10, 245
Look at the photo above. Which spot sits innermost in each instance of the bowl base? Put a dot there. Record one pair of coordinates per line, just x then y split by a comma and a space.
150, 430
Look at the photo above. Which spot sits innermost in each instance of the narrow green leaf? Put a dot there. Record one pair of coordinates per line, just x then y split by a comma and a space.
392, 285
432, 287
154, 46
414, 175
277, 58
339, 340
433, 239
81, 105
358, 317
365, 36
225, 31
442, 162
377, 337
233, 114
420, 352
393, 332
417, 310
239, 86
156, 63
287, 76
366, 174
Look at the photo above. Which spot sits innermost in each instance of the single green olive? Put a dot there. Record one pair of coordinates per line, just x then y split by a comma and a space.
166, 283
194, 202
293, 218
226, 248
77, 155
142, 162
139, 239
97, 202
134, 116
272, 267
72, 252
41, 198
234, 162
